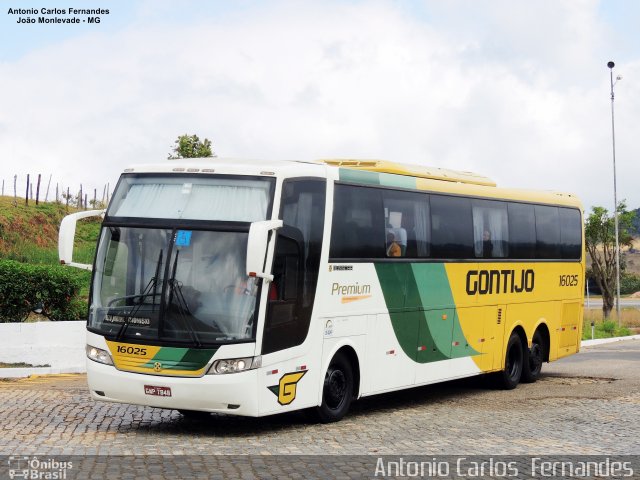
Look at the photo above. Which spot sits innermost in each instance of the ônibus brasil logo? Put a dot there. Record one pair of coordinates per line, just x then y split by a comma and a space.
33, 467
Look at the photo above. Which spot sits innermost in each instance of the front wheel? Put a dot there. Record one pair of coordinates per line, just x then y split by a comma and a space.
535, 357
513, 364
337, 391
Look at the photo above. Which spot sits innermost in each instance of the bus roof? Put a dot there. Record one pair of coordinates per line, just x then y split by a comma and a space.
434, 173
366, 172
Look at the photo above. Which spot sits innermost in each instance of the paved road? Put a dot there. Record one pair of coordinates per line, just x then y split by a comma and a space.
624, 303
585, 404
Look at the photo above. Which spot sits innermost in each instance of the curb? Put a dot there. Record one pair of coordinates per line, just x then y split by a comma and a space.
600, 341
36, 371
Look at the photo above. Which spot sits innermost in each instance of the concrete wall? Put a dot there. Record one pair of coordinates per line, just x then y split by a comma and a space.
59, 344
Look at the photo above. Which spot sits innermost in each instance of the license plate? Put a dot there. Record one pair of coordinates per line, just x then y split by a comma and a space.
158, 391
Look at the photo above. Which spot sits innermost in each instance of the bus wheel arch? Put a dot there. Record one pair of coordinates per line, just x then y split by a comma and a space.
340, 386
536, 355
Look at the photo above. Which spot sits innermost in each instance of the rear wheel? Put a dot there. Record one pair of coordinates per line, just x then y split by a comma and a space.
509, 378
534, 359
337, 391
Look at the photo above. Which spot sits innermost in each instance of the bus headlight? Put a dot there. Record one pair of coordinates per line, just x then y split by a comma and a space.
99, 355
234, 365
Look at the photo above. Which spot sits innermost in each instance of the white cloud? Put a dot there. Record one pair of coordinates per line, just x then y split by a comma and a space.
493, 92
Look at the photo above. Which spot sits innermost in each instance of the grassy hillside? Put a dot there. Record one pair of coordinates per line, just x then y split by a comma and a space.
29, 234
632, 257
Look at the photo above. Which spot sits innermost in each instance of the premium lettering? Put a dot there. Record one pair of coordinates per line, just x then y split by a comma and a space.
337, 289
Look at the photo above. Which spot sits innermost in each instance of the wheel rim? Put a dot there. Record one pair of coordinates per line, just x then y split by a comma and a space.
335, 388
535, 358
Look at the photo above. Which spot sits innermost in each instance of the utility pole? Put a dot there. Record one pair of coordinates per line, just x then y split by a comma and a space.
615, 193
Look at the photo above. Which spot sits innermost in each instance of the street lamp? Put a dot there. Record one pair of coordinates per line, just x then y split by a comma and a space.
615, 193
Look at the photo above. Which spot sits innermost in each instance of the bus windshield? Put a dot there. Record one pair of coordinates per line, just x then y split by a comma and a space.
176, 285
171, 262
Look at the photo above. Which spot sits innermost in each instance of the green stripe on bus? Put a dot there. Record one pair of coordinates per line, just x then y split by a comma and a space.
359, 176
400, 181
422, 310
199, 357
376, 178
175, 358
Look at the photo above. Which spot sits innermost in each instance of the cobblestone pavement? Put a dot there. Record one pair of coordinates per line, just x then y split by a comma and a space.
585, 404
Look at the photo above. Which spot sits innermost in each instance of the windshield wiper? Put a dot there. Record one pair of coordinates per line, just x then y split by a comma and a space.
153, 284
181, 303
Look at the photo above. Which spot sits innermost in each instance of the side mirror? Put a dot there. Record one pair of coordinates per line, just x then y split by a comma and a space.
67, 235
257, 247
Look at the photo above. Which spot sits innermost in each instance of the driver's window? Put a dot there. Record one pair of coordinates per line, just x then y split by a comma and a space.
295, 265
285, 271
284, 303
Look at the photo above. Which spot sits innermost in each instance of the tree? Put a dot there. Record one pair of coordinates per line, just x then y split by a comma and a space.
190, 146
600, 242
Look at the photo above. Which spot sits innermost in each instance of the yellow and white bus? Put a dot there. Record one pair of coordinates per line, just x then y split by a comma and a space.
254, 288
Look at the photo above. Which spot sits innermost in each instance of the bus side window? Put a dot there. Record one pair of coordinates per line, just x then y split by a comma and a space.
296, 264
490, 229
358, 223
522, 230
570, 233
547, 232
406, 216
452, 227
286, 282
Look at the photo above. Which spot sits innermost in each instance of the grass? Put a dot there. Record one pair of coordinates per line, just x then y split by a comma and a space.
629, 319
20, 365
29, 234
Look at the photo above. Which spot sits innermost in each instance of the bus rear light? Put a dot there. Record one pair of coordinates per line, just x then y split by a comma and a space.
98, 355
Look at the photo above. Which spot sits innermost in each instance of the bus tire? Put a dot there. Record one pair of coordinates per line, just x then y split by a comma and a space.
509, 378
534, 358
337, 390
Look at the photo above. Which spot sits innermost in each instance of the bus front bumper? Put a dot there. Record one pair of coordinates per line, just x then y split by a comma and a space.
234, 393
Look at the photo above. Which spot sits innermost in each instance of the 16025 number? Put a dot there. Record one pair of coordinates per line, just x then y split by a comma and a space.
132, 350
568, 280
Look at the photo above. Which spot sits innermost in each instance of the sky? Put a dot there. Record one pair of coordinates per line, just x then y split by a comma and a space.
515, 90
